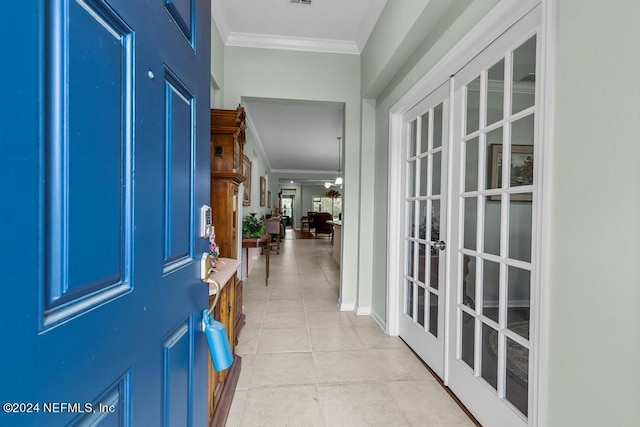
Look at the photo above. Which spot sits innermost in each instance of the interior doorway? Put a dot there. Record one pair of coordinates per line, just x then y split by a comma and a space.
287, 209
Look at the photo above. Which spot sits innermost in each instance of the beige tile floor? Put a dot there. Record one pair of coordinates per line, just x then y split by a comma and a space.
305, 363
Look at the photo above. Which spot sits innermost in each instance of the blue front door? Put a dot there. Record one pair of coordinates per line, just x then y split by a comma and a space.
104, 129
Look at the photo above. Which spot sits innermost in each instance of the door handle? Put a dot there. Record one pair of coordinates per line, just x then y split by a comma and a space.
440, 245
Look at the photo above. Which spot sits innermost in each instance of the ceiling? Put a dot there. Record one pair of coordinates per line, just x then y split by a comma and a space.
297, 136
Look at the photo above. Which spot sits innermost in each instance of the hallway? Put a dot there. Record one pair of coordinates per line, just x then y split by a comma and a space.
306, 363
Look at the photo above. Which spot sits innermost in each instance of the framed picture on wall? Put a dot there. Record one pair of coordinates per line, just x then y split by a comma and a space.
269, 199
246, 172
263, 190
521, 169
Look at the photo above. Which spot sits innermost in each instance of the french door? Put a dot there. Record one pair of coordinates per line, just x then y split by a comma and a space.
492, 245
468, 235
421, 322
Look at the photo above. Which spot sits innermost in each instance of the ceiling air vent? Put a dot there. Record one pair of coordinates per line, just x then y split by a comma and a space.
300, 1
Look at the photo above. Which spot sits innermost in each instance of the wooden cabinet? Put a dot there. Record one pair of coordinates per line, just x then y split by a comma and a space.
226, 151
227, 141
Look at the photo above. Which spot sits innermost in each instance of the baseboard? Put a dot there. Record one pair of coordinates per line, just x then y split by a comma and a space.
223, 405
363, 311
347, 307
380, 321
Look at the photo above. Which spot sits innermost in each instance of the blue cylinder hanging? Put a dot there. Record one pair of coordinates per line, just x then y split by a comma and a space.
218, 341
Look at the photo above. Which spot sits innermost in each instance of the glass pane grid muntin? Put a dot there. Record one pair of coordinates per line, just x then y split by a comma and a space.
419, 190
482, 197
484, 160
484, 88
510, 119
414, 311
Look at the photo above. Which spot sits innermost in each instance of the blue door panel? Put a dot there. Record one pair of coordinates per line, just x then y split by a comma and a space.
112, 408
85, 157
182, 12
88, 307
179, 154
177, 352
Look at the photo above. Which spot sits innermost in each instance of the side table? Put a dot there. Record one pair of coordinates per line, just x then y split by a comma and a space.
256, 242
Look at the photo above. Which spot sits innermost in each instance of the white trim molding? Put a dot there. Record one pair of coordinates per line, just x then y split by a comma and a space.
546, 128
263, 41
363, 311
347, 306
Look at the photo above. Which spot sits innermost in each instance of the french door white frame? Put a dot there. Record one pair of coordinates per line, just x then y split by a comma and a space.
497, 21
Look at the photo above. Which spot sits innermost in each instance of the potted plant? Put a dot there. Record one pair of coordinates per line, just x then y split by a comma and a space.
252, 226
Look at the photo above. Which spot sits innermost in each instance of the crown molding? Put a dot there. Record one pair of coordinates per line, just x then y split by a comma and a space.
305, 171
292, 43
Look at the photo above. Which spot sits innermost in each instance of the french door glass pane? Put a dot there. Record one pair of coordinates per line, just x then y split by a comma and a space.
411, 178
471, 165
411, 143
422, 212
519, 297
437, 126
435, 268
520, 223
408, 308
494, 154
468, 280
490, 355
495, 93
435, 221
492, 215
424, 134
410, 260
424, 174
473, 106
522, 155
421, 307
490, 289
470, 224
437, 165
421, 262
468, 338
524, 76
517, 376
410, 231
433, 314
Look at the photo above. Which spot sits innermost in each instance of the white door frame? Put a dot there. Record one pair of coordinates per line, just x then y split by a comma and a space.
497, 21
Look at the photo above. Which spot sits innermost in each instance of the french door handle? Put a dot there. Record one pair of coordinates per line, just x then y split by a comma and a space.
440, 245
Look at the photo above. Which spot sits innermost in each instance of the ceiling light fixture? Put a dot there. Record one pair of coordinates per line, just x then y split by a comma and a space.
327, 184
339, 178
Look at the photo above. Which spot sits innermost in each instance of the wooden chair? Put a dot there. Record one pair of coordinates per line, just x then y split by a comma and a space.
272, 227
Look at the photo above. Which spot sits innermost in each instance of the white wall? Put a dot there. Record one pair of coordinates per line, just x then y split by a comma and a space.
217, 66
594, 282
258, 168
